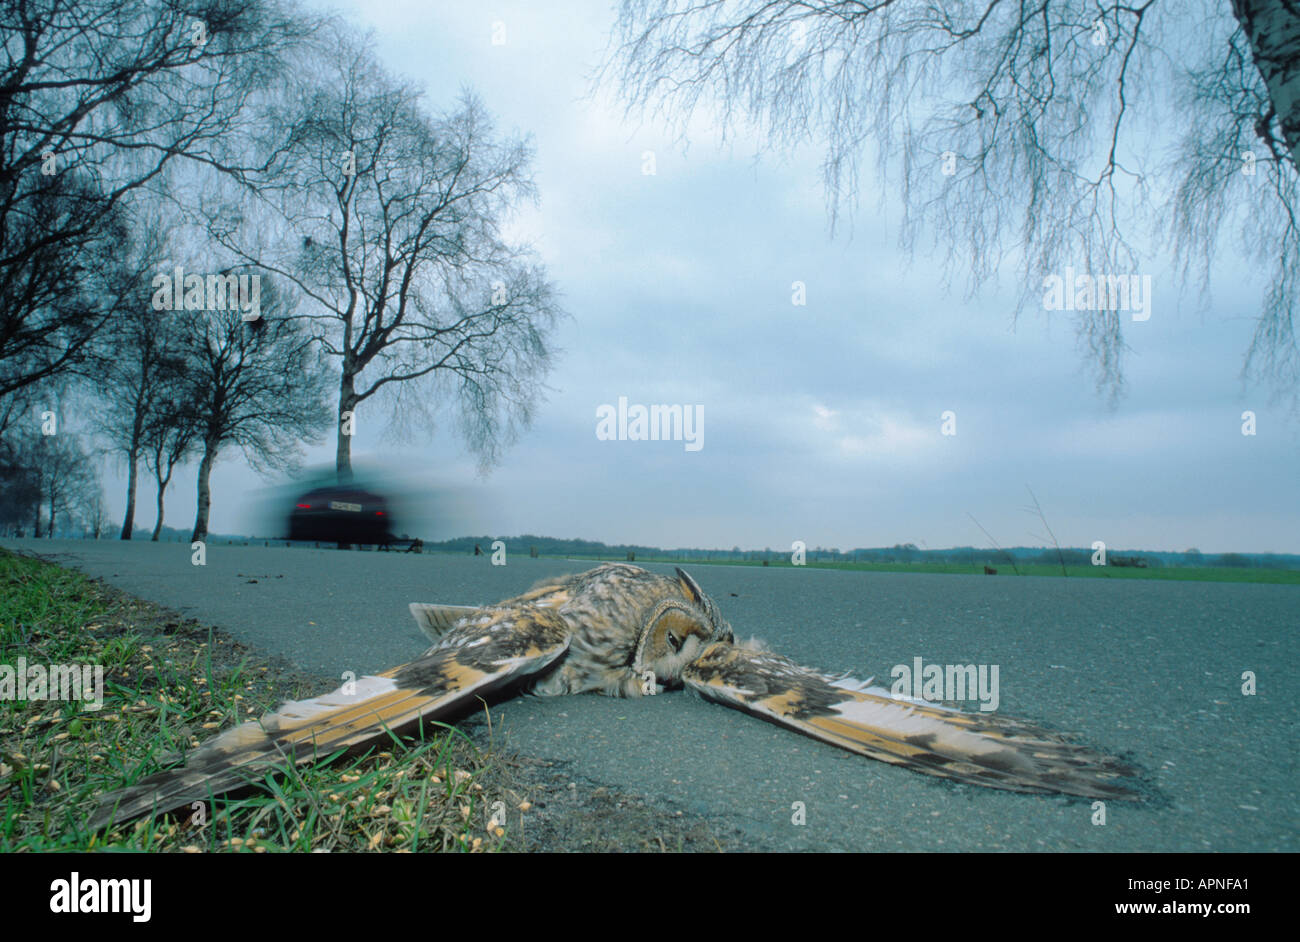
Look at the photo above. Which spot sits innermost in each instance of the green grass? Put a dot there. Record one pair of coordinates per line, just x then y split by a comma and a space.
1179, 573
168, 683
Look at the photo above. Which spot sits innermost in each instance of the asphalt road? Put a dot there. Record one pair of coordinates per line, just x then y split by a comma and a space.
1149, 670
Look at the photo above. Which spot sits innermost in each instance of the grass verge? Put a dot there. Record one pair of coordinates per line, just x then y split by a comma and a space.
167, 682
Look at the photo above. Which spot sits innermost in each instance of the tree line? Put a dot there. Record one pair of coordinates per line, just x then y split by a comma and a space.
224, 228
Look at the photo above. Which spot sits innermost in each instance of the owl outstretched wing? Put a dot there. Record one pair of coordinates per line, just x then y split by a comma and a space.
977, 748
434, 620
486, 649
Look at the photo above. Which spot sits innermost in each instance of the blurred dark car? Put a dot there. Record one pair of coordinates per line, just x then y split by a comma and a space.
341, 514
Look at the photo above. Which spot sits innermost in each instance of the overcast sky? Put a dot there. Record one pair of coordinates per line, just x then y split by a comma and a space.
821, 422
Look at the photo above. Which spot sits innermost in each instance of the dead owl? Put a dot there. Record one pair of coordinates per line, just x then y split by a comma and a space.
624, 631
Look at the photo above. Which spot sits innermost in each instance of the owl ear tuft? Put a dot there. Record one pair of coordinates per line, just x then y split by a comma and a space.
690, 587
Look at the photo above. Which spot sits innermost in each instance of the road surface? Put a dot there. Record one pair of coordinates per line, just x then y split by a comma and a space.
1147, 669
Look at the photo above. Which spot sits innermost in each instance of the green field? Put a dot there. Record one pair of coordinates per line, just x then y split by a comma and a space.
1177, 573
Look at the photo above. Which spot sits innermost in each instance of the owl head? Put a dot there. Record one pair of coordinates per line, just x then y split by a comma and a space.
677, 630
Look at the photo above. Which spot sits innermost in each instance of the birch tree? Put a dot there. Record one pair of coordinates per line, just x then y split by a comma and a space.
169, 439
388, 220
139, 364
1020, 130
255, 386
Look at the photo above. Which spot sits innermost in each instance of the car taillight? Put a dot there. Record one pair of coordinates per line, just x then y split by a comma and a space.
379, 513
303, 506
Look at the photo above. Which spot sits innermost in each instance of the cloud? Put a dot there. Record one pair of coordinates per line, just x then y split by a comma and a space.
823, 419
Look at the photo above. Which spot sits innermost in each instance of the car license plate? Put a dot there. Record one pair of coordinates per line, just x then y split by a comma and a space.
341, 505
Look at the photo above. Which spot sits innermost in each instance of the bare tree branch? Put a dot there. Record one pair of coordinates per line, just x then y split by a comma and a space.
252, 385
389, 221
101, 100
1014, 128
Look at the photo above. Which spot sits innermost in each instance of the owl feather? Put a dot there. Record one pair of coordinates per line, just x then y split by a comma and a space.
976, 748
485, 652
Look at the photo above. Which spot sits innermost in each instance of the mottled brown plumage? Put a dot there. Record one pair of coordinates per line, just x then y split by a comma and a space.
623, 631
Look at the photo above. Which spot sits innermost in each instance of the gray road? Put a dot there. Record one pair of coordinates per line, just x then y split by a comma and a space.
1151, 670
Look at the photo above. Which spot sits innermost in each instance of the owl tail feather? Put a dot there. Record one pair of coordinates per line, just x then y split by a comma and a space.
976, 748
485, 653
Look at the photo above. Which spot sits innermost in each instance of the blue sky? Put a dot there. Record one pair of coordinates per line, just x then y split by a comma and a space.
822, 422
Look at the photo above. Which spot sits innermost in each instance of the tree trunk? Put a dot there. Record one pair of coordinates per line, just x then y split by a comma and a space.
128, 519
205, 491
347, 403
343, 457
157, 527
1273, 30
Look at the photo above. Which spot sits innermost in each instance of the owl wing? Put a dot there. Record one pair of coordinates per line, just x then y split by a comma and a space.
436, 620
483, 652
977, 748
